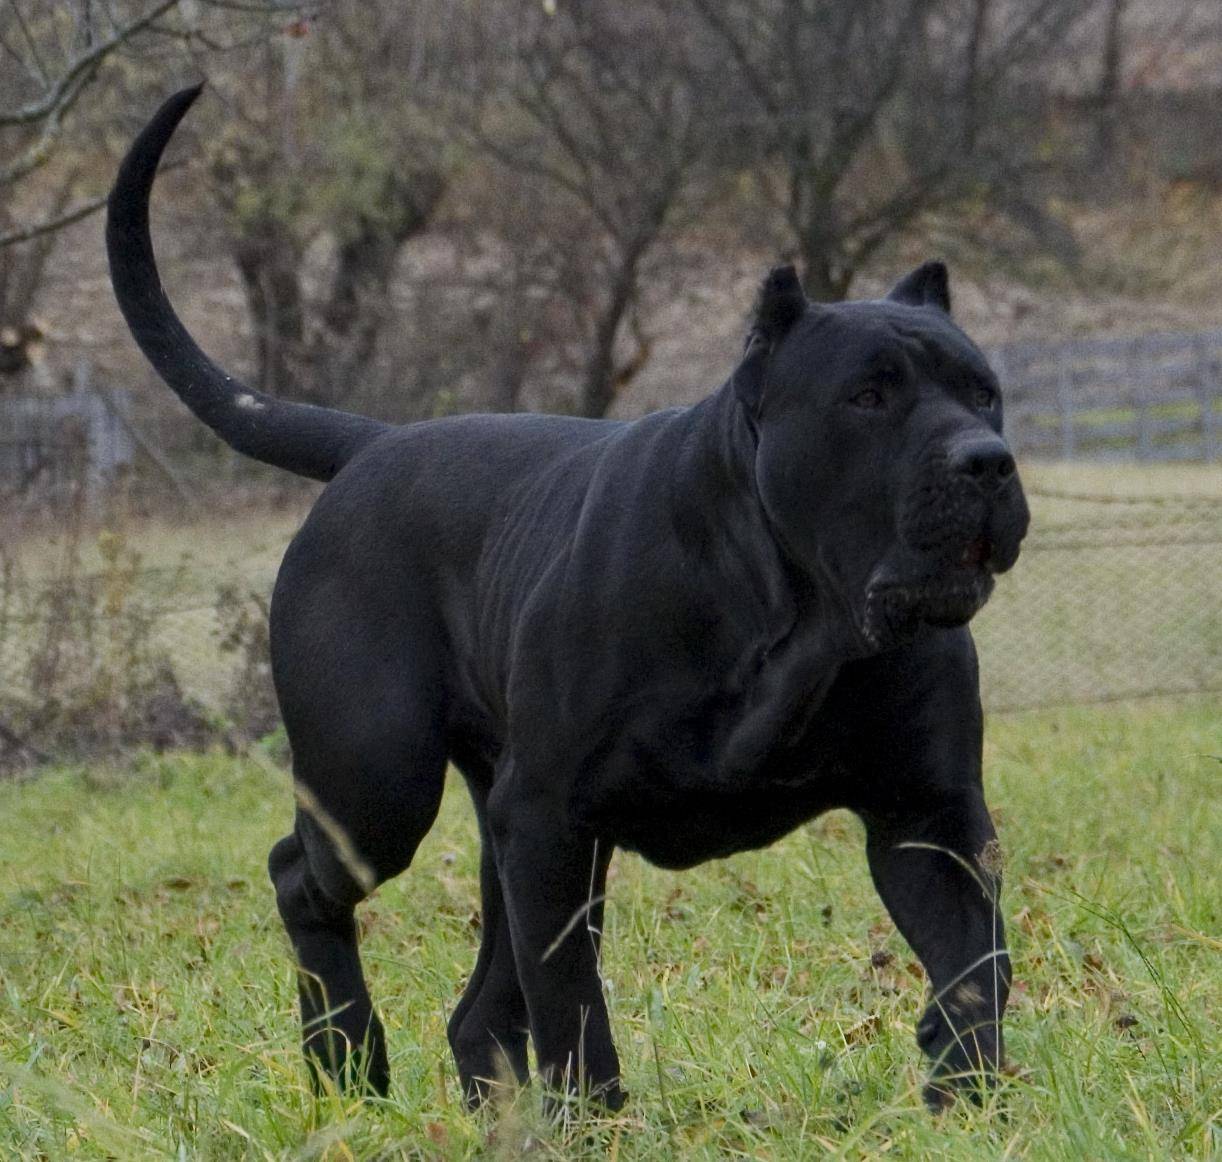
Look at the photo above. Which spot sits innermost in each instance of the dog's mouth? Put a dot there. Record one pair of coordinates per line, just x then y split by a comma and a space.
897, 603
977, 554
954, 535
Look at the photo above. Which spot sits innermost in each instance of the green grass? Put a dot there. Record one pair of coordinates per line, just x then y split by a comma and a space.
1110, 599
147, 1007
1188, 410
1117, 479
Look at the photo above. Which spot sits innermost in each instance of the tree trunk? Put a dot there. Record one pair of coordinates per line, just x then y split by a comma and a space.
598, 386
508, 376
21, 276
1107, 95
268, 259
322, 363
827, 273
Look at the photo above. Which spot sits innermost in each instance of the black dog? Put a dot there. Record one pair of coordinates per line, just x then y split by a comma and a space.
684, 636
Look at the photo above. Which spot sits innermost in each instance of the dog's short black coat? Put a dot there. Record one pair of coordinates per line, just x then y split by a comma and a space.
684, 636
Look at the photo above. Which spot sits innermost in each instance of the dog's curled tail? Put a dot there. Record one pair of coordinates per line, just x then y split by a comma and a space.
310, 441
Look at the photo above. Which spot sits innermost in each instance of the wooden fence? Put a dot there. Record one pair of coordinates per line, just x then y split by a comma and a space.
54, 445
1155, 397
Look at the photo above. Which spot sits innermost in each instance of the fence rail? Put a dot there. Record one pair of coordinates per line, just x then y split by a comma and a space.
1154, 397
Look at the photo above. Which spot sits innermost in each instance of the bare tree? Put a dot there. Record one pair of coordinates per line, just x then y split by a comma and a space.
55, 51
596, 106
49, 56
866, 113
530, 261
64, 65
1107, 94
330, 142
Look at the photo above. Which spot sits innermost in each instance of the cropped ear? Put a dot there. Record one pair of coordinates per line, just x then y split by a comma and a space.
781, 302
927, 286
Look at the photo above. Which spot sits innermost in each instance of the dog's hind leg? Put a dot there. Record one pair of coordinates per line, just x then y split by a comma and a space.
342, 1035
369, 762
488, 1028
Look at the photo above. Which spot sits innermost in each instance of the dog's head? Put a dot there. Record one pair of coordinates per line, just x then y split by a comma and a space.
879, 457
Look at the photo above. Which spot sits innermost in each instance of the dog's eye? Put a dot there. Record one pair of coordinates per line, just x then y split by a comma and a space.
869, 398
984, 398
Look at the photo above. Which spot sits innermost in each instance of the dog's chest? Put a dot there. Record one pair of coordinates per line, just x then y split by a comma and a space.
678, 831
670, 800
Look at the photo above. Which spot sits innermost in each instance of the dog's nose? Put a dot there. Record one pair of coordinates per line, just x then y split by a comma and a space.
983, 459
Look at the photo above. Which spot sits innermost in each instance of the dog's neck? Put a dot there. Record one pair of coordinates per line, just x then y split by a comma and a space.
800, 640
715, 497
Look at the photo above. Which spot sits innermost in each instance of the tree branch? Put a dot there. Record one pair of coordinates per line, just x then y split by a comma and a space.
50, 225
35, 56
710, 12
65, 85
39, 151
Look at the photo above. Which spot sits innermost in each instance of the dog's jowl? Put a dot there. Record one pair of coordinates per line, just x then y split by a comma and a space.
684, 635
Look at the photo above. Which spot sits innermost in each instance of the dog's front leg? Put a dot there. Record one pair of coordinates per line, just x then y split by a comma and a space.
553, 881
937, 868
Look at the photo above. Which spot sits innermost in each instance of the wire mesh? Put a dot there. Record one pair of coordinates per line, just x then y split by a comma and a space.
1112, 598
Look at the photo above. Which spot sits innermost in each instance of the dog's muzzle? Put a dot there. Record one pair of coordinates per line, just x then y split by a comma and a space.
961, 522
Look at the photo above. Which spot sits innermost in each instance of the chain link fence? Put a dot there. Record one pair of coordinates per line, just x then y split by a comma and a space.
1114, 597
99, 660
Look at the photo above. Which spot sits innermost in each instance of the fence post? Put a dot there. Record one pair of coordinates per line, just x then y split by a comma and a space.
1065, 404
1208, 388
85, 408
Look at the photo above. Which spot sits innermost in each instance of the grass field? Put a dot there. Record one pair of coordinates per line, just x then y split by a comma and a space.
147, 1006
